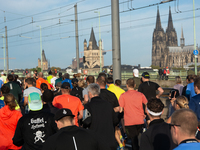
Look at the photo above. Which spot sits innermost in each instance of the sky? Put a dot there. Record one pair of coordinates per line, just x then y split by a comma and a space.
56, 18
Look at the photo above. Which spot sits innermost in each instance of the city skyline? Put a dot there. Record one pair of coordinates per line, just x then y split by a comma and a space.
58, 29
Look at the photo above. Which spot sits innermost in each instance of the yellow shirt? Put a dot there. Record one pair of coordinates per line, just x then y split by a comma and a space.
116, 90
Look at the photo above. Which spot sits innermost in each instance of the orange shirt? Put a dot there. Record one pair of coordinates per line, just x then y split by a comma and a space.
68, 101
131, 101
39, 81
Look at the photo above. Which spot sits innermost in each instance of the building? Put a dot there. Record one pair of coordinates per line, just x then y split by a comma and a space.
44, 61
165, 49
92, 54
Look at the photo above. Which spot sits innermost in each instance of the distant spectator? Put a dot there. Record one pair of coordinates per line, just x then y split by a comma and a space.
179, 86
160, 73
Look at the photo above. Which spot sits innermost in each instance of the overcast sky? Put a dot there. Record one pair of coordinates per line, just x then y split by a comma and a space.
56, 19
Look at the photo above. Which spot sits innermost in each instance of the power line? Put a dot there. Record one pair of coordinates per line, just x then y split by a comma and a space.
125, 28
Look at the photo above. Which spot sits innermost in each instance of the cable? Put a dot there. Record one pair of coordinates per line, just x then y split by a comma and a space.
125, 28
43, 11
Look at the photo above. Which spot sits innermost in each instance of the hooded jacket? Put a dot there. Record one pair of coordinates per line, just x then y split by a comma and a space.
8, 123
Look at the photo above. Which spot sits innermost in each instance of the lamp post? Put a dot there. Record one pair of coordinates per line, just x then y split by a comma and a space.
195, 57
4, 52
41, 47
100, 51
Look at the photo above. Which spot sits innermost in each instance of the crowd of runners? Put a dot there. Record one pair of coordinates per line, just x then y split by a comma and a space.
59, 113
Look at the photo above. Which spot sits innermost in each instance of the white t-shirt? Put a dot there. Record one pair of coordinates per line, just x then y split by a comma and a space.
31, 90
53, 81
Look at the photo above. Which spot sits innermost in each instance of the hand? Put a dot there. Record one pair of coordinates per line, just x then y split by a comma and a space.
157, 96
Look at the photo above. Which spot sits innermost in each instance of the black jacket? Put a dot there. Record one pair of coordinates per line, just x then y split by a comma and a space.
102, 119
71, 137
33, 129
50, 108
157, 137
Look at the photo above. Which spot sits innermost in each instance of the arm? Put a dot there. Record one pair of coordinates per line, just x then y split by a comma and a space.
18, 136
160, 92
85, 101
117, 109
80, 116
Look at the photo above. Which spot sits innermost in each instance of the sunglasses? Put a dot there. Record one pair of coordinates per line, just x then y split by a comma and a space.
172, 125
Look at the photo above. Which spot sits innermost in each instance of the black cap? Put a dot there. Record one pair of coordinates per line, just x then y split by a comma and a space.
145, 75
65, 85
63, 113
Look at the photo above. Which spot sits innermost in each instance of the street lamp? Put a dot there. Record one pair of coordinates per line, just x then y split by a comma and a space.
41, 47
99, 40
4, 52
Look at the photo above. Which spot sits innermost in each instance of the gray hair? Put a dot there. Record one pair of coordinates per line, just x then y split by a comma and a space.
94, 89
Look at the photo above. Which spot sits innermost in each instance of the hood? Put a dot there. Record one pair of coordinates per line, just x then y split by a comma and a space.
5, 113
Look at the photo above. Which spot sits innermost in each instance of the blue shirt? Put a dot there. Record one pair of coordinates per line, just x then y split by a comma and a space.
1, 83
188, 146
194, 104
69, 81
190, 91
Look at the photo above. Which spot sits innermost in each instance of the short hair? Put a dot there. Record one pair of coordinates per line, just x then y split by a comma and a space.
131, 83
178, 80
9, 100
47, 96
10, 77
118, 82
101, 81
40, 74
94, 89
109, 80
197, 82
155, 105
44, 86
5, 89
50, 72
81, 83
60, 74
182, 101
187, 120
54, 74
28, 75
102, 74
29, 81
66, 76
66, 119
90, 79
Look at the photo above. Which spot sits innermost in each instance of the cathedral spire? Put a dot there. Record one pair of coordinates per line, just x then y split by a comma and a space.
158, 22
182, 39
170, 22
93, 40
182, 32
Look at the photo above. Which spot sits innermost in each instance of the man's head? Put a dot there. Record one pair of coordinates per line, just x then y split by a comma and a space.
65, 88
29, 81
183, 125
60, 74
66, 76
130, 84
40, 75
101, 81
10, 77
64, 117
43, 87
93, 90
178, 80
109, 80
2, 73
90, 79
118, 82
12, 72
47, 96
145, 76
197, 85
54, 74
28, 75
154, 108
135, 72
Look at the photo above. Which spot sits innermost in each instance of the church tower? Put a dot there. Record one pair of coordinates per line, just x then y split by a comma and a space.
182, 39
158, 43
171, 36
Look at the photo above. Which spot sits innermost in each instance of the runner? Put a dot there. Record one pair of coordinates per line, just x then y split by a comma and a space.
40, 80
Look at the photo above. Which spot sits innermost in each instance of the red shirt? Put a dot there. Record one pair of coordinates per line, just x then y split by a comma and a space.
131, 101
68, 101
8, 124
39, 81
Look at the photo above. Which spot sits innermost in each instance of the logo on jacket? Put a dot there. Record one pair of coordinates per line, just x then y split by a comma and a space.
38, 136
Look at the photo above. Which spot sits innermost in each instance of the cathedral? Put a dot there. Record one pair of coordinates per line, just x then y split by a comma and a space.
92, 54
165, 49
44, 61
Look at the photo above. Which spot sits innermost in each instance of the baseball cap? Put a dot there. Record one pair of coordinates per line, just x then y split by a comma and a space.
136, 72
2, 72
63, 113
145, 75
34, 101
65, 85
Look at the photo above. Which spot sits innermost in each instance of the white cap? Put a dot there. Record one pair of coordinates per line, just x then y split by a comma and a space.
2, 72
136, 72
